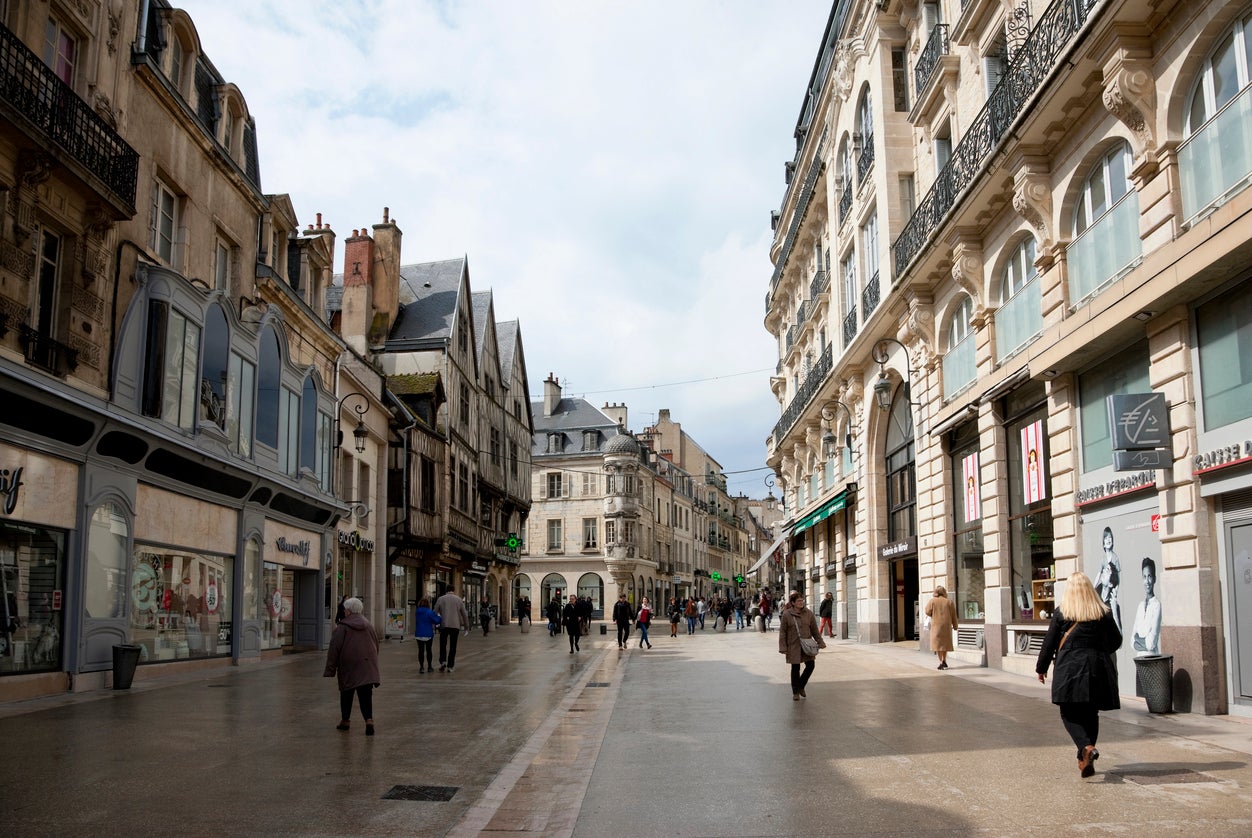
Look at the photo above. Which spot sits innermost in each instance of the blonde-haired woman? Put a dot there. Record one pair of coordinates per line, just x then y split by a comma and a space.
1081, 641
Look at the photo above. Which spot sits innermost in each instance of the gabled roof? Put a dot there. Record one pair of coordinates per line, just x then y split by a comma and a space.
435, 288
506, 337
484, 316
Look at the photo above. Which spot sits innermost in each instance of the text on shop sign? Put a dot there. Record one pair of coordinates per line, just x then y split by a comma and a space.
10, 482
300, 548
356, 541
1223, 456
1117, 487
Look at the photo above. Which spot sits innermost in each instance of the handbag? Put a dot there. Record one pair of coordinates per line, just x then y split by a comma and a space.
808, 645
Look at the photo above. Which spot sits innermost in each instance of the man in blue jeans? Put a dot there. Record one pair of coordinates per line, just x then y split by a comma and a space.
740, 605
453, 619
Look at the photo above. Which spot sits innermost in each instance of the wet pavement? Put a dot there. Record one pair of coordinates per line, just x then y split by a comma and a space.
696, 737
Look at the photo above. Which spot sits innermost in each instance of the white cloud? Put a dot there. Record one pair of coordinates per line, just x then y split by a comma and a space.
607, 166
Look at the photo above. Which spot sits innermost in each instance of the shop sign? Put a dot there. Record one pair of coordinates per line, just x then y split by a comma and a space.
1120, 486
832, 568
10, 482
1226, 456
849, 562
356, 541
300, 548
223, 633
898, 549
1138, 420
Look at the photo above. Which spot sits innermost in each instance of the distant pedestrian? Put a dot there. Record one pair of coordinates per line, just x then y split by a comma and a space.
642, 621
740, 605
453, 620
827, 612
623, 616
573, 624
794, 622
523, 613
340, 613
767, 610
484, 615
554, 617
585, 612
353, 659
1081, 640
675, 616
942, 614
692, 613
424, 622
701, 607
723, 614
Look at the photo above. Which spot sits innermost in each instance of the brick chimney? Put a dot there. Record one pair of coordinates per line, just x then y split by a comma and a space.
386, 278
551, 394
357, 310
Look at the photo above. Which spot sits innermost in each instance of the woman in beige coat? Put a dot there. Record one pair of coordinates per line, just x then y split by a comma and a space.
942, 614
796, 621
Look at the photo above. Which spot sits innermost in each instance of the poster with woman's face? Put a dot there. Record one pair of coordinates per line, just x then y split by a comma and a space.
1122, 555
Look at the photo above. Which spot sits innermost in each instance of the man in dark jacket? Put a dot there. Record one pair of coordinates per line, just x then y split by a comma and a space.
554, 617
573, 625
622, 616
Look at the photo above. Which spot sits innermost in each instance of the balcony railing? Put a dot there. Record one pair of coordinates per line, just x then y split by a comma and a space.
802, 313
1030, 66
936, 47
797, 214
870, 296
845, 202
791, 337
812, 383
849, 327
865, 160
31, 89
821, 281
49, 355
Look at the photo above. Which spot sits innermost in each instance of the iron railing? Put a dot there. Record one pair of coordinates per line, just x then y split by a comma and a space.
870, 296
1029, 67
797, 214
47, 354
36, 93
849, 326
936, 47
845, 202
865, 160
821, 281
802, 313
812, 383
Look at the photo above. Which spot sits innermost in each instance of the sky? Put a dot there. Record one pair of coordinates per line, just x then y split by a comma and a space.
608, 169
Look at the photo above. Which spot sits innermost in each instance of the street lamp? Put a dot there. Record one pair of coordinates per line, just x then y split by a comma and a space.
828, 438
769, 484
882, 387
359, 433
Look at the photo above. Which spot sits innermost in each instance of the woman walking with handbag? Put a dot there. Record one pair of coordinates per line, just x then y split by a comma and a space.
1081, 640
642, 622
800, 640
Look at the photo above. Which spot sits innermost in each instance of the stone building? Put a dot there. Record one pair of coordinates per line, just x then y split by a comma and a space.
1000, 214
167, 441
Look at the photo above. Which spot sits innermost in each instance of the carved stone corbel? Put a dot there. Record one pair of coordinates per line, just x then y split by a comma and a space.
967, 268
1130, 95
1032, 198
33, 168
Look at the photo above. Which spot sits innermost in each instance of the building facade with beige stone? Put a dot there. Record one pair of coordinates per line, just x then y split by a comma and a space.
1000, 215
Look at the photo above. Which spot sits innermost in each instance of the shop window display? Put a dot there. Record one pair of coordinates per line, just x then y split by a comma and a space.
276, 606
1030, 515
32, 581
967, 537
180, 603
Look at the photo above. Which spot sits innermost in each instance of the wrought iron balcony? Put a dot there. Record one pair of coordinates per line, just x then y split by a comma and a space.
802, 313
791, 337
849, 327
33, 93
870, 296
821, 281
865, 161
49, 355
812, 383
845, 202
1030, 65
797, 215
936, 47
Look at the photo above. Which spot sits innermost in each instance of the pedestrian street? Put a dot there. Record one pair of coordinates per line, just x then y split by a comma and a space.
698, 736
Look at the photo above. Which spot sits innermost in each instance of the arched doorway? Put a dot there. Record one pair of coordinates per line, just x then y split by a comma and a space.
591, 585
901, 495
553, 587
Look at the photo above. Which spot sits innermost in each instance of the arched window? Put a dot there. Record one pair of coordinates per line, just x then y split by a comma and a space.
959, 367
1106, 225
269, 378
1020, 317
554, 587
865, 127
591, 585
214, 367
108, 546
521, 587
1216, 157
901, 479
308, 424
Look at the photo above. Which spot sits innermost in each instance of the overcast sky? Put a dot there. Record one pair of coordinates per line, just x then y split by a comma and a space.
607, 167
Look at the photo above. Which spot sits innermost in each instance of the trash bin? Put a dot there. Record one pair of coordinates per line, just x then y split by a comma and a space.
1155, 674
125, 659
604, 629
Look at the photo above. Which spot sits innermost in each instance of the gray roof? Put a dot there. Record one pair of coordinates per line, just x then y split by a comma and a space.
571, 418
623, 443
506, 336
435, 287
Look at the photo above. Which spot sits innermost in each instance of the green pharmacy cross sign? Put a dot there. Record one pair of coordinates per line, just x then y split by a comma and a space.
512, 542
715, 576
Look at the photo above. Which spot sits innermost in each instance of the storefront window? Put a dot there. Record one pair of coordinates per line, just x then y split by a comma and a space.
967, 542
107, 549
32, 582
403, 593
591, 585
1126, 372
521, 587
277, 583
1225, 336
180, 603
251, 575
1030, 504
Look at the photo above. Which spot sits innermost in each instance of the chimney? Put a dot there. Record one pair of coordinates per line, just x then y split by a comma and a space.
386, 277
551, 395
616, 412
356, 312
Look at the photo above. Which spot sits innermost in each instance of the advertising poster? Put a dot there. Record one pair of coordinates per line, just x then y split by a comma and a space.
973, 491
1033, 464
395, 622
1122, 555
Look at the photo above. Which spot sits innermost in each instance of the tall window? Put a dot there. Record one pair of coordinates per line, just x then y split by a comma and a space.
554, 484
610, 531
308, 425
1020, 317
289, 431
959, 363
48, 290
967, 539
591, 485
899, 79
865, 123
1224, 329
495, 446
869, 245
221, 266
178, 60
240, 403
1126, 372
901, 482
590, 525
60, 50
554, 534
171, 383
994, 64
1216, 157
1106, 226
268, 377
512, 458
465, 404
163, 225
426, 487
847, 271
943, 146
213, 377
463, 486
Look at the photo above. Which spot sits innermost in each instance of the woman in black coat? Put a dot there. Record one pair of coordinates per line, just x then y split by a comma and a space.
1081, 641
573, 623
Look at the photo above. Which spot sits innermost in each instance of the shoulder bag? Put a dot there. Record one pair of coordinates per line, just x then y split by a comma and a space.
808, 645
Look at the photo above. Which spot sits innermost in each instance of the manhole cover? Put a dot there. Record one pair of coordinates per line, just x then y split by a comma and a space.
1164, 776
431, 793
597, 683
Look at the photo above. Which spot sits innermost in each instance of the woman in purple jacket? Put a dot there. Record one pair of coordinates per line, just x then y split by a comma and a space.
353, 657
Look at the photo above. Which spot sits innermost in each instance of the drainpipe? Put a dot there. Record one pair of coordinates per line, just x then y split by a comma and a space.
141, 43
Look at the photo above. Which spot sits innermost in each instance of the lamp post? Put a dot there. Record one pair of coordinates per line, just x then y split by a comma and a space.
769, 485
882, 387
828, 438
359, 433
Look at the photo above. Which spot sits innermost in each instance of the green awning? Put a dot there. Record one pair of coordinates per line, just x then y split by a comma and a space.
830, 507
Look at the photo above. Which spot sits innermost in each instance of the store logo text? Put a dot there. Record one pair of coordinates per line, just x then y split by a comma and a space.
10, 482
1223, 456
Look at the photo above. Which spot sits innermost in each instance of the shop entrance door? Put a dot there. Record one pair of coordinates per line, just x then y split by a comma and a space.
849, 584
904, 604
305, 610
1240, 575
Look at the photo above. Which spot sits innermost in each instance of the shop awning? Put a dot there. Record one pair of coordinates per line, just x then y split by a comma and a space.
830, 507
769, 552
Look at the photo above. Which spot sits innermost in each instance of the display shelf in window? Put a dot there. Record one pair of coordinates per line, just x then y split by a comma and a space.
1042, 591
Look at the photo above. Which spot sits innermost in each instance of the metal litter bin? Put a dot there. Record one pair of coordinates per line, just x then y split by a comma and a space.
125, 659
1155, 674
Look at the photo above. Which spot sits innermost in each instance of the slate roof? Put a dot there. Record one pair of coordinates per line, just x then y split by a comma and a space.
429, 318
506, 337
571, 418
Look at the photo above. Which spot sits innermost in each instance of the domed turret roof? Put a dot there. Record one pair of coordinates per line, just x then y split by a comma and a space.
622, 444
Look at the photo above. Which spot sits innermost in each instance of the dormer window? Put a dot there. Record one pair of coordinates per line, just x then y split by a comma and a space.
591, 440
554, 443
